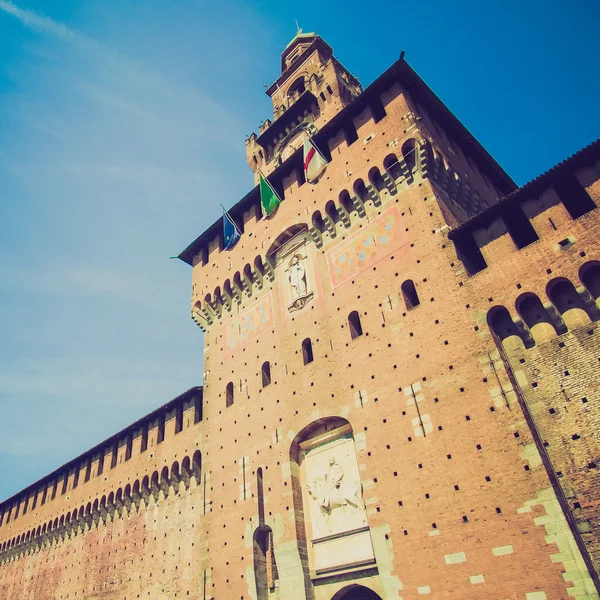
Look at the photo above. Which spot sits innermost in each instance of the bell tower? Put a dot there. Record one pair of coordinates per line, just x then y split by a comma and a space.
312, 88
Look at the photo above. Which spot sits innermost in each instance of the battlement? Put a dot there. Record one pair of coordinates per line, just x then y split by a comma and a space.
368, 107
521, 218
71, 481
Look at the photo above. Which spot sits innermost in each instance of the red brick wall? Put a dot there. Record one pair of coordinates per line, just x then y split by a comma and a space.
469, 489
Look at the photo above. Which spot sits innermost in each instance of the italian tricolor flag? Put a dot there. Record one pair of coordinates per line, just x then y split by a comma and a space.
314, 161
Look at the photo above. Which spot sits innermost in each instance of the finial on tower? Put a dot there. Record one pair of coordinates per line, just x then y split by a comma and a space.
298, 30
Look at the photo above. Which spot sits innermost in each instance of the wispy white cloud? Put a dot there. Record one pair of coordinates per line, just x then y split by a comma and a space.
44, 24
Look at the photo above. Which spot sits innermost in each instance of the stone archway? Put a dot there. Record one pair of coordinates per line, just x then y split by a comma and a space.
356, 592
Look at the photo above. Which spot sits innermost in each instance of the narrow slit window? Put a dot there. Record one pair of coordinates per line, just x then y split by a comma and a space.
307, 351
144, 442
355, 324
160, 434
197, 409
409, 292
129, 449
179, 418
115, 455
229, 394
266, 373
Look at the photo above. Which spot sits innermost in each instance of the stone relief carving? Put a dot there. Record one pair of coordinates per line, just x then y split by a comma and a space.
334, 489
295, 262
296, 273
331, 493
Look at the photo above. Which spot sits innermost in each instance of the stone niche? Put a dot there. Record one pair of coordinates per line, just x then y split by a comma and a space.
296, 269
337, 530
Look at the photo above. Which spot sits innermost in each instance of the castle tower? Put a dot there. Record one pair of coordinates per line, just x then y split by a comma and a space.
400, 394
361, 422
312, 88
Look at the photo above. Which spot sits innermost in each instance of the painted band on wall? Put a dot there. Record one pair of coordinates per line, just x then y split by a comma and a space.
363, 249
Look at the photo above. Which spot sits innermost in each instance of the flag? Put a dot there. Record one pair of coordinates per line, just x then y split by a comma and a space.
231, 233
268, 196
314, 161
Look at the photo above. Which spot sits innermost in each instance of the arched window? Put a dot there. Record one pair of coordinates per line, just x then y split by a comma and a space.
317, 221
266, 373
354, 324
197, 466
229, 394
375, 178
409, 293
409, 154
331, 211
563, 295
296, 89
500, 322
360, 190
590, 277
536, 317
346, 201
307, 351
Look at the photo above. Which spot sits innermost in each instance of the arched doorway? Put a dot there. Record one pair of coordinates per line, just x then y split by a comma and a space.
356, 592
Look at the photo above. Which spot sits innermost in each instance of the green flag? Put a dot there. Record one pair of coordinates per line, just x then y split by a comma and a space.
268, 196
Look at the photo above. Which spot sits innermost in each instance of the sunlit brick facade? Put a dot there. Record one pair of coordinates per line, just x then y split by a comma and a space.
401, 392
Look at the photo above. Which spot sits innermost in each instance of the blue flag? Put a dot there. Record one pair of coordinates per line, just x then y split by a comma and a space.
231, 233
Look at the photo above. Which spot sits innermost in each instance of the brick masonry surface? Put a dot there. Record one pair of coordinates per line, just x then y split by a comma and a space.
473, 407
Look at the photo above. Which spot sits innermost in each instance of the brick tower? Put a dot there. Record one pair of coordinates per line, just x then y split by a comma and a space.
400, 393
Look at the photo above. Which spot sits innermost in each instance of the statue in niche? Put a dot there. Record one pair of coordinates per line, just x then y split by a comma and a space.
340, 502
296, 273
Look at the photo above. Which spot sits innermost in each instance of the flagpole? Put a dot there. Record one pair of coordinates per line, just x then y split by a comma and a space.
230, 219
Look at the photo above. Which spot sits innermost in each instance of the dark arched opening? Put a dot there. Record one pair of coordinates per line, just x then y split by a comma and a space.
266, 373
375, 178
563, 295
307, 351
265, 568
409, 293
356, 592
531, 310
355, 324
409, 154
229, 394
589, 274
501, 323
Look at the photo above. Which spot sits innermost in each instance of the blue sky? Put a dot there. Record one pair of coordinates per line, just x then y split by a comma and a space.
122, 127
